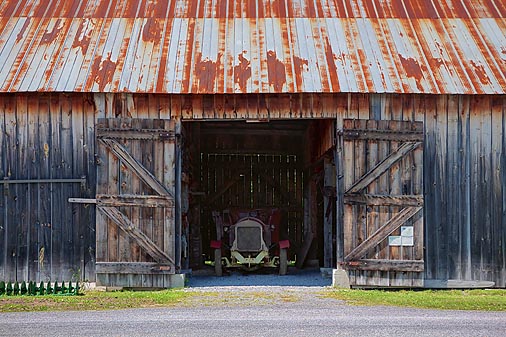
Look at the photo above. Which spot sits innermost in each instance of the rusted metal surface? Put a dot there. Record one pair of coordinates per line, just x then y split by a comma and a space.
274, 46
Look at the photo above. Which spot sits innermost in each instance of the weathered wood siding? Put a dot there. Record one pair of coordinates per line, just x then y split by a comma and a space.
465, 186
46, 137
135, 202
464, 170
382, 189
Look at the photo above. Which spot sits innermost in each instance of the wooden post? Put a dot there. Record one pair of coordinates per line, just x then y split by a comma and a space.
338, 161
177, 196
328, 195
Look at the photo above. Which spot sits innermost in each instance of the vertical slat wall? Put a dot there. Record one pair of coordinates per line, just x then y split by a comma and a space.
465, 178
115, 178
464, 175
262, 181
42, 236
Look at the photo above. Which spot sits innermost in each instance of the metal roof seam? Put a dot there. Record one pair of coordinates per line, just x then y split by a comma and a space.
86, 78
253, 46
482, 40
390, 54
417, 38
455, 52
23, 59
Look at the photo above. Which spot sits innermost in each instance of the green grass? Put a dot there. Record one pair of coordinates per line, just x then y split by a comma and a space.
94, 300
485, 300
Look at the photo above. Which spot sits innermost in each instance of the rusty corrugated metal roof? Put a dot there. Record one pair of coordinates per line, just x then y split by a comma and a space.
248, 46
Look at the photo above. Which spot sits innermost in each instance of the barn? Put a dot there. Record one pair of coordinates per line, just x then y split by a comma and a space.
377, 127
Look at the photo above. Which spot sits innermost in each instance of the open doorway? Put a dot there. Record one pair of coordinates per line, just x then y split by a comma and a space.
235, 167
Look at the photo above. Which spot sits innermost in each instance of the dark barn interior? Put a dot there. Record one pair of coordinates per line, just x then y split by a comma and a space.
253, 165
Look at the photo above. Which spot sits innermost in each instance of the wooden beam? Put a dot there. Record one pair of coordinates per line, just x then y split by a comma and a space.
384, 200
304, 249
107, 200
133, 268
339, 162
178, 167
140, 238
329, 183
247, 131
144, 134
384, 165
383, 232
135, 166
386, 135
386, 265
82, 201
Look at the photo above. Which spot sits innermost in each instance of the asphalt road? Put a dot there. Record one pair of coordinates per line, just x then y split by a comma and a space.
309, 316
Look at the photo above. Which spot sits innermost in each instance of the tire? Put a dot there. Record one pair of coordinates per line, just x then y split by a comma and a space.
218, 267
283, 261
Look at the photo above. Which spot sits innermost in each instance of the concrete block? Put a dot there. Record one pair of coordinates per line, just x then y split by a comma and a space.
340, 279
177, 280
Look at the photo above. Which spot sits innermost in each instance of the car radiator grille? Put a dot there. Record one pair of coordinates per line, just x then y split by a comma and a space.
249, 239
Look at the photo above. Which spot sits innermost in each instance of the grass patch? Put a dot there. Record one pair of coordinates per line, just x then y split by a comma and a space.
94, 300
484, 300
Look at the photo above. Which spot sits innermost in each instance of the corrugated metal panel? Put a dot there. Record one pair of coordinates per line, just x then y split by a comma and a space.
182, 46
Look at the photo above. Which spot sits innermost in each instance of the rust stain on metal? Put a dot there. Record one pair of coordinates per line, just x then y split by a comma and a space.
82, 38
169, 57
151, 31
412, 69
21, 33
256, 9
49, 37
332, 68
206, 71
188, 56
104, 70
276, 71
102, 9
299, 64
242, 71
479, 70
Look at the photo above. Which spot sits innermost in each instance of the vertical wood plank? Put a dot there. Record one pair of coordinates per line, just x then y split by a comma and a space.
451, 185
465, 187
102, 179
88, 222
35, 266
373, 211
485, 230
79, 160
126, 246
497, 221
135, 187
24, 247
44, 149
430, 163
3, 188
503, 203
329, 188
168, 180
158, 171
478, 214
10, 216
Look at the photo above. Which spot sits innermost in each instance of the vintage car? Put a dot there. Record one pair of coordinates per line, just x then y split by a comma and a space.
250, 240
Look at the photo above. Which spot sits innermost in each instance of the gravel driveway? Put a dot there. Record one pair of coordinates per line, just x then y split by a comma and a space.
257, 305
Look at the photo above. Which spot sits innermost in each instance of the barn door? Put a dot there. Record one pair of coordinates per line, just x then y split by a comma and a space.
383, 202
135, 202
